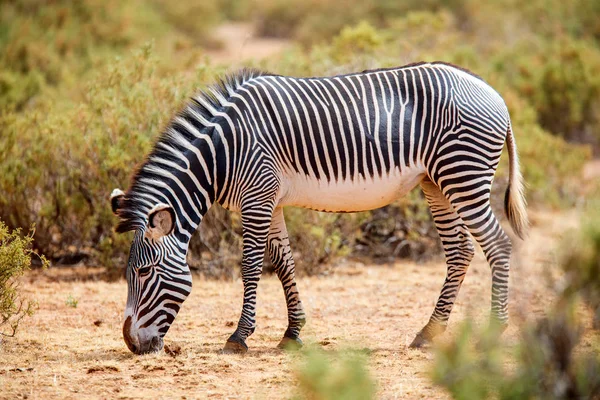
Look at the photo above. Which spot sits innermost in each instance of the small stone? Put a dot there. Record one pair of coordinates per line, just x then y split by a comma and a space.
173, 349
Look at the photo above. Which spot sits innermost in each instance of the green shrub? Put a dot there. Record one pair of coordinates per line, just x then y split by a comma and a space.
546, 363
15, 259
467, 364
555, 18
359, 40
277, 18
194, 19
552, 167
59, 165
561, 80
328, 376
318, 239
318, 21
71, 301
581, 261
46, 43
78, 112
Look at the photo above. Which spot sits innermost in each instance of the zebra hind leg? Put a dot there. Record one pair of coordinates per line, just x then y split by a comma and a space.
496, 245
458, 251
476, 212
256, 220
278, 246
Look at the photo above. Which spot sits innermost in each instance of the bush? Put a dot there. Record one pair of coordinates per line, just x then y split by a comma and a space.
318, 239
59, 165
403, 229
76, 119
45, 43
15, 259
216, 248
193, 19
581, 262
342, 375
547, 363
561, 80
318, 21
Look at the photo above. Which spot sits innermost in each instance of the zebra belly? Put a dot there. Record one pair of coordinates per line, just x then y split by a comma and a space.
350, 195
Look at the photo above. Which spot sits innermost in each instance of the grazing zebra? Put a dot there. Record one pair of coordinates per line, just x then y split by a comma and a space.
258, 142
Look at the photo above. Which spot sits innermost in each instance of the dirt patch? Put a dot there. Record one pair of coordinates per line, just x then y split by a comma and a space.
172, 349
62, 353
239, 44
102, 368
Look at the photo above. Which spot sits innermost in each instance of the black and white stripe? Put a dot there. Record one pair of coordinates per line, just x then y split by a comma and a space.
258, 142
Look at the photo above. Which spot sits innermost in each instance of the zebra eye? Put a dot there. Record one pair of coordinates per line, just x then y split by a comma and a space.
144, 271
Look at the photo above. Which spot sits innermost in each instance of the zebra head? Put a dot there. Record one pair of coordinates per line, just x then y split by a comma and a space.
158, 278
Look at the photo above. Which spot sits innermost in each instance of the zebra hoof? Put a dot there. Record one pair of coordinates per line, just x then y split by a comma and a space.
235, 348
420, 341
290, 344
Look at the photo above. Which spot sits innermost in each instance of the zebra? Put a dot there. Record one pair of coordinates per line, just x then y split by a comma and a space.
255, 142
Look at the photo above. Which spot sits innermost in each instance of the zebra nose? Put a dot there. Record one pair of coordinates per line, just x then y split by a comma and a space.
131, 341
140, 342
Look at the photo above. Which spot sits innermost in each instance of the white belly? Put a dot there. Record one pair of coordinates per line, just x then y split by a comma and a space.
350, 195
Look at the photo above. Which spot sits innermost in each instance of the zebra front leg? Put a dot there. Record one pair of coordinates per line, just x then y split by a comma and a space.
458, 251
278, 246
256, 221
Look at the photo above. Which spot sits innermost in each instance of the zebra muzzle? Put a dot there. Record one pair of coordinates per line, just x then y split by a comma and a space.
139, 343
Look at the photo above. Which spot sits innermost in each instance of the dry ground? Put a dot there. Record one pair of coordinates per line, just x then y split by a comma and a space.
78, 352
239, 44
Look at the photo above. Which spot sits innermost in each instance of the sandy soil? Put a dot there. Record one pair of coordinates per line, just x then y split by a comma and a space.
239, 44
68, 351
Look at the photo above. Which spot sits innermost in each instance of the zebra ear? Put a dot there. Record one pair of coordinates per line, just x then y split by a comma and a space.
116, 197
161, 221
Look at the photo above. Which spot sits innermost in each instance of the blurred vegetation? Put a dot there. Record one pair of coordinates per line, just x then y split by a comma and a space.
546, 363
86, 86
581, 262
341, 375
15, 259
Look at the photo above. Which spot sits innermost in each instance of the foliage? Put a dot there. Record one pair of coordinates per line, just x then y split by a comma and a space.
71, 301
342, 375
472, 366
547, 364
58, 167
561, 80
581, 262
215, 249
403, 229
15, 259
316, 21
193, 19
362, 39
79, 108
46, 43
319, 238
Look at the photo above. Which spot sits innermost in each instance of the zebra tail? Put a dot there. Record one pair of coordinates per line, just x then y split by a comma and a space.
515, 204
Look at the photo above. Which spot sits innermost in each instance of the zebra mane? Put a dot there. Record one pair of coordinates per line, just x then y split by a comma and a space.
134, 207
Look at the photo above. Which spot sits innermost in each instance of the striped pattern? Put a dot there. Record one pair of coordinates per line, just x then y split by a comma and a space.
158, 283
256, 142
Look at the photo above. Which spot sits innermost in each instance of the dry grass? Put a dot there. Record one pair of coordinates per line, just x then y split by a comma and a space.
78, 352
